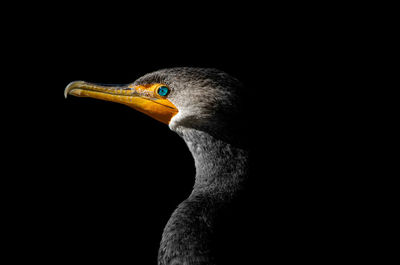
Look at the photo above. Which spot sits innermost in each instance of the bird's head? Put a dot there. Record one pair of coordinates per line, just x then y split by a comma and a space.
197, 98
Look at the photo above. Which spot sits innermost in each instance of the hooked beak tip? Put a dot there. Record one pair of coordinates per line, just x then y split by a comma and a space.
71, 86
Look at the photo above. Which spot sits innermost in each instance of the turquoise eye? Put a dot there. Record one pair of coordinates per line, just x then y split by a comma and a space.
163, 91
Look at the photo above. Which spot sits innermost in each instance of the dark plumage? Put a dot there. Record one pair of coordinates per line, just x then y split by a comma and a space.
211, 121
208, 100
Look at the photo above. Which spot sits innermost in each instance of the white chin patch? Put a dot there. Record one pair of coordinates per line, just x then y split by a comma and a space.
178, 123
174, 122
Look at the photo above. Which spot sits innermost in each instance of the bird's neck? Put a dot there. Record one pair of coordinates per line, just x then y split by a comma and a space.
220, 166
221, 171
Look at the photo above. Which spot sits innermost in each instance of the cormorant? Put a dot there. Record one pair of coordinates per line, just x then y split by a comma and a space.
204, 107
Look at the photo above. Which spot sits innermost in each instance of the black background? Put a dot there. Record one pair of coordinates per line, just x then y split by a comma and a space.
97, 181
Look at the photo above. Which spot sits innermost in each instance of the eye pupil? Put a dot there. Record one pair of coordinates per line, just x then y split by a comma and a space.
163, 90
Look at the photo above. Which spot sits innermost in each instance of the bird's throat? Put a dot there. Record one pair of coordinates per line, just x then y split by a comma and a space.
221, 170
219, 165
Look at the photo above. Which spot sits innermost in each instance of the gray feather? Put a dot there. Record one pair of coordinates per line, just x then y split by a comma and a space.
209, 121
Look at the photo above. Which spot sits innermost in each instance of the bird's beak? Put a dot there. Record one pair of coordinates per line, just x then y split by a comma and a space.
142, 98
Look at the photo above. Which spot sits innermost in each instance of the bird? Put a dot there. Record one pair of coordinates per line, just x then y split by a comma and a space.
205, 107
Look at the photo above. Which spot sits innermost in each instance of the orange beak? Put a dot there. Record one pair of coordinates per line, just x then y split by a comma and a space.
142, 98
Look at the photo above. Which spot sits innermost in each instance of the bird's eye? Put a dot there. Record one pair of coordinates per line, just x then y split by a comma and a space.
163, 91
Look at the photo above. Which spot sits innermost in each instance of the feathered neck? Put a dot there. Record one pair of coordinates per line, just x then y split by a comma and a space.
219, 165
221, 170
